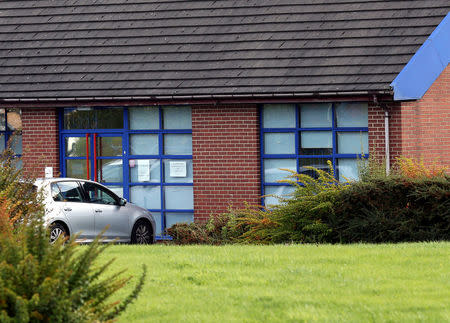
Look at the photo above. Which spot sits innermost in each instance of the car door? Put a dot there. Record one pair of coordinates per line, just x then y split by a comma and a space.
108, 212
78, 213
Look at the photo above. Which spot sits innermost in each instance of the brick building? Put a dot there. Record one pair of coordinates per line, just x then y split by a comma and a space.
187, 107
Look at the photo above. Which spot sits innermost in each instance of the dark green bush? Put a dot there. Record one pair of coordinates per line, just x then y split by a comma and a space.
392, 209
219, 229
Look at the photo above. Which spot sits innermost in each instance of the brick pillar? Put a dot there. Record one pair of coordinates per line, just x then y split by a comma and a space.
226, 158
40, 140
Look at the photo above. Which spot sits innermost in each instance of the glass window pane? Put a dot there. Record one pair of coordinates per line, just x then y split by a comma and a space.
179, 197
2, 120
109, 146
281, 191
272, 171
316, 143
2, 142
178, 171
98, 194
144, 170
118, 190
70, 191
348, 169
157, 217
109, 170
319, 163
76, 168
144, 144
144, 118
79, 118
353, 142
110, 118
352, 114
279, 116
178, 144
14, 119
316, 115
76, 146
148, 197
177, 117
16, 143
172, 218
279, 143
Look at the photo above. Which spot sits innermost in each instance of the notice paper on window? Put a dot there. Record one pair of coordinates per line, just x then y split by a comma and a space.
143, 170
177, 169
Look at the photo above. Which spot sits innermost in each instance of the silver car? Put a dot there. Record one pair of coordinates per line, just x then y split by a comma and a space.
76, 206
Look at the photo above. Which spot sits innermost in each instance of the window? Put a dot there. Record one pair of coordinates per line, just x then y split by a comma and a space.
98, 194
11, 131
310, 134
141, 153
66, 192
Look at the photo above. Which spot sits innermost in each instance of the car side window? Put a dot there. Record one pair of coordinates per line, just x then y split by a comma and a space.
98, 194
66, 191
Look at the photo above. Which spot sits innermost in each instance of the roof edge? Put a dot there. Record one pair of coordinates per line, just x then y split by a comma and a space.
425, 66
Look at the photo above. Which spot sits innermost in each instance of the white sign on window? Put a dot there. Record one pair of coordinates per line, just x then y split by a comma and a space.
177, 169
143, 170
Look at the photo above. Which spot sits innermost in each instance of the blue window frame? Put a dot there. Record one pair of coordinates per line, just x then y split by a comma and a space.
297, 135
148, 160
11, 131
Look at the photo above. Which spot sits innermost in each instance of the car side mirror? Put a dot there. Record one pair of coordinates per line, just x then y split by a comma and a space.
122, 201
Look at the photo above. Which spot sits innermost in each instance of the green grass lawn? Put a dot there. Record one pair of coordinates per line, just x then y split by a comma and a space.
288, 283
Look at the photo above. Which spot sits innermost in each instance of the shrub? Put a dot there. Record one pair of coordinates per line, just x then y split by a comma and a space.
219, 229
47, 282
393, 209
20, 198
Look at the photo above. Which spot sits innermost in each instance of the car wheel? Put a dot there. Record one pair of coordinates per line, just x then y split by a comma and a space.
142, 233
56, 230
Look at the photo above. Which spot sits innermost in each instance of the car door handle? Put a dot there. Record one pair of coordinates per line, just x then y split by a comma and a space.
67, 209
98, 211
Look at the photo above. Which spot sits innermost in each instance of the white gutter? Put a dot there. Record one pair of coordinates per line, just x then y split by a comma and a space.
386, 141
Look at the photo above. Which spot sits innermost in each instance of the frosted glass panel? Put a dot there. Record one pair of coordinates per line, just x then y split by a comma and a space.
352, 114
2, 142
179, 197
172, 218
118, 190
279, 143
144, 118
144, 170
177, 118
178, 144
315, 115
178, 171
157, 217
16, 143
144, 144
282, 191
353, 142
272, 171
348, 169
316, 139
148, 197
279, 116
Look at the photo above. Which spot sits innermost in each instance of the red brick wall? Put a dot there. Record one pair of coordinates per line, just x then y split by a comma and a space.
226, 158
425, 124
418, 129
40, 140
